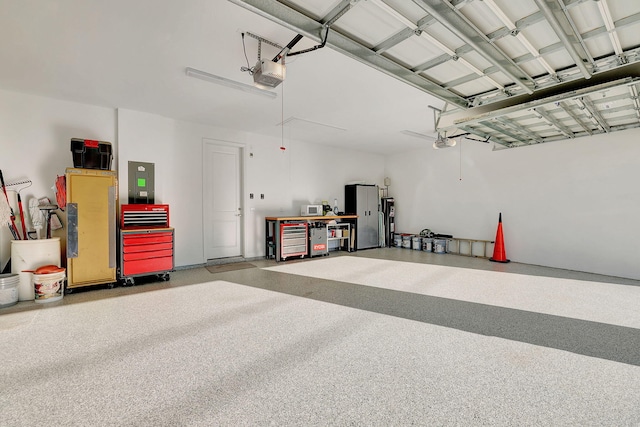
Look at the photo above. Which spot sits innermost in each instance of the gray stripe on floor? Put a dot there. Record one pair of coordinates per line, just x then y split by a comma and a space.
594, 339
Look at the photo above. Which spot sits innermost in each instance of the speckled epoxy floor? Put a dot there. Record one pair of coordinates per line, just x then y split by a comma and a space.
349, 339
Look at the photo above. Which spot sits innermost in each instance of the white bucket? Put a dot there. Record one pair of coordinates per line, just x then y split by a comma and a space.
48, 287
9, 289
427, 244
29, 255
440, 246
416, 243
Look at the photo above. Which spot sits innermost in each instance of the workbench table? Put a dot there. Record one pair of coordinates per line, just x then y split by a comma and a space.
272, 229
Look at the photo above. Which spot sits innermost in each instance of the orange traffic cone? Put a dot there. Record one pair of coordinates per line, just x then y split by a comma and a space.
499, 254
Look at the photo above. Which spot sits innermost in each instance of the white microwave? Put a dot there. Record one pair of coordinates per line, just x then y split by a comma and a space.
311, 210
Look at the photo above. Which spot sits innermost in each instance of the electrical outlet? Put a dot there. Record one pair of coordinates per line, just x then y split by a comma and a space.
251, 195
262, 196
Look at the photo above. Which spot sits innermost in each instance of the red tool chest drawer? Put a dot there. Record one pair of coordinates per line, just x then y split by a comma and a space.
148, 266
146, 251
141, 216
148, 247
146, 255
140, 237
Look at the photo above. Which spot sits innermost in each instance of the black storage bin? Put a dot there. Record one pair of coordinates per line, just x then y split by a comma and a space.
91, 154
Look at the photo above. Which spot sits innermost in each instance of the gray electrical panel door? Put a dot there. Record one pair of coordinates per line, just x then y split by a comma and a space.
141, 183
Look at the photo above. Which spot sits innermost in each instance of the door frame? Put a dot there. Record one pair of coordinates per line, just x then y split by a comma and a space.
242, 176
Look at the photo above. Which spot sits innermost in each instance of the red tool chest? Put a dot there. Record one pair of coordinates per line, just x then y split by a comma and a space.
146, 242
136, 216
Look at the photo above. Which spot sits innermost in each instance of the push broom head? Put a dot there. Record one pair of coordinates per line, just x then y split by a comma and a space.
20, 185
5, 214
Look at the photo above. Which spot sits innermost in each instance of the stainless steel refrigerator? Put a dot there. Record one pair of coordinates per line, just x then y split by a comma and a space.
362, 200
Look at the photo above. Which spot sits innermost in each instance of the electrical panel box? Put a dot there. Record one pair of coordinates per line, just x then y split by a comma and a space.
141, 183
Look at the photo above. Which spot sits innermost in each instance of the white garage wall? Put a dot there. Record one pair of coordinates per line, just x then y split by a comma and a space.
569, 204
301, 174
36, 132
35, 144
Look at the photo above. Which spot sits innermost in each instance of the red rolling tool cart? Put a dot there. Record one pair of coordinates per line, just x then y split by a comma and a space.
146, 242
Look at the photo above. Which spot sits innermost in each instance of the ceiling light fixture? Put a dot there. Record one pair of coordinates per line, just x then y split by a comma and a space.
444, 142
417, 135
202, 75
439, 142
310, 125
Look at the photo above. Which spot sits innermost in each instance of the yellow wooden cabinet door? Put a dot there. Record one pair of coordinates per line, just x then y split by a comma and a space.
91, 242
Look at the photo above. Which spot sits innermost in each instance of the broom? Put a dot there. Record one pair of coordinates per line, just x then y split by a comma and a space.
12, 216
22, 185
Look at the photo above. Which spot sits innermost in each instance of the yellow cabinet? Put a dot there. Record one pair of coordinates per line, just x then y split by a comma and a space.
91, 227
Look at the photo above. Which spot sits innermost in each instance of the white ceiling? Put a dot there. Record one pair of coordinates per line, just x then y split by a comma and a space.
518, 72
502, 59
133, 55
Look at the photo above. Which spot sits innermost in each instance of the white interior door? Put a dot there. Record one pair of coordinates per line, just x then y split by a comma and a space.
222, 200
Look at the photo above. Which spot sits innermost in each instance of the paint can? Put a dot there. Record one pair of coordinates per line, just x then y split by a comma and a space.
397, 241
29, 255
427, 244
440, 246
406, 241
416, 243
48, 287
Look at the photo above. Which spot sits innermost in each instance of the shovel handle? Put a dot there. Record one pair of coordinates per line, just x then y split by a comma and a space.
24, 226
